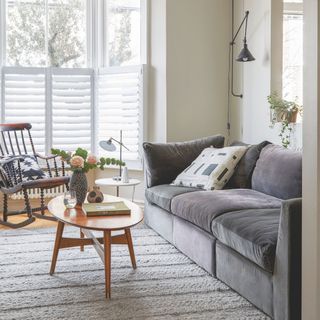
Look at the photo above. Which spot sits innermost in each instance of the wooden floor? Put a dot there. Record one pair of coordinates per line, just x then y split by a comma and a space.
39, 223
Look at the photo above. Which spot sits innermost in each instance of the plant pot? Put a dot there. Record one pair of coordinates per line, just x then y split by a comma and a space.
79, 184
291, 117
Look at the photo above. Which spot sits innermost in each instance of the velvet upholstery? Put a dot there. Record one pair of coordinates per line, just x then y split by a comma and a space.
245, 277
243, 172
278, 172
164, 161
201, 207
197, 244
162, 195
252, 233
159, 219
287, 268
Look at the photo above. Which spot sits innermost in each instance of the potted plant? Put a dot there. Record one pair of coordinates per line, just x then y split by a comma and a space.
284, 112
81, 162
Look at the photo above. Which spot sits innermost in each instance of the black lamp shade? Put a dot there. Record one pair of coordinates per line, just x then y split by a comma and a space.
245, 55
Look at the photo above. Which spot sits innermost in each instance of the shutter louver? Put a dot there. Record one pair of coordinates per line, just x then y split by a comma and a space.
71, 109
24, 98
120, 108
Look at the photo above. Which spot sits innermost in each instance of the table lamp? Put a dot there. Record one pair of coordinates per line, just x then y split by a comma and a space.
109, 145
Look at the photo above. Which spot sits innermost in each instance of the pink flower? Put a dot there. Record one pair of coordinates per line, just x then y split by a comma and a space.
77, 162
91, 159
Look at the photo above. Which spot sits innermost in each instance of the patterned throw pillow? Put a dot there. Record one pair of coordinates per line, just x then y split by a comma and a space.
30, 169
212, 169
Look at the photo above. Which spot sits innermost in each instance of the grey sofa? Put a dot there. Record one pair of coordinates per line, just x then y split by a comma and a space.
247, 235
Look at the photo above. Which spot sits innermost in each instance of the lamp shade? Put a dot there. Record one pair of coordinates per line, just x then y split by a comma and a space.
107, 145
245, 55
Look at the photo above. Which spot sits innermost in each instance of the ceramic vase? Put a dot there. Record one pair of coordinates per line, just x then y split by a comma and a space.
79, 184
125, 175
95, 195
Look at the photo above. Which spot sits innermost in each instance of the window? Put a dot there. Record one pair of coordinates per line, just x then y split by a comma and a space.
75, 80
46, 33
123, 37
292, 86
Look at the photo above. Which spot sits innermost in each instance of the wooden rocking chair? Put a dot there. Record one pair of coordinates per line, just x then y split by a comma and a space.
13, 152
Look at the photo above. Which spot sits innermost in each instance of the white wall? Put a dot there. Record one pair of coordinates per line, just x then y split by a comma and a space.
311, 165
260, 77
157, 80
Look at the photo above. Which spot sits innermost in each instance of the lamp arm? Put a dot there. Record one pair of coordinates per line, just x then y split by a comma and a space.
245, 20
232, 43
120, 143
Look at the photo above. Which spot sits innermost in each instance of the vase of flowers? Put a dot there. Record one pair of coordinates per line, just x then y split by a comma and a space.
81, 162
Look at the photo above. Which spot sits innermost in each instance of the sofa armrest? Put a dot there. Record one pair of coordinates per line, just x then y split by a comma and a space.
287, 268
164, 161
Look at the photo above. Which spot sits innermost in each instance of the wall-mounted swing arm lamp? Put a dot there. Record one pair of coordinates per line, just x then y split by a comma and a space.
245, 55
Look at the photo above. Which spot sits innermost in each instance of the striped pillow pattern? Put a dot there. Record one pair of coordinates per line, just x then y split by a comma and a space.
212, 169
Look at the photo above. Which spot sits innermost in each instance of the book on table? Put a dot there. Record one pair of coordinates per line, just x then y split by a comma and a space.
106, 209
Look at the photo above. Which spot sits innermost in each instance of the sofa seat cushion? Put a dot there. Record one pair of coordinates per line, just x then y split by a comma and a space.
200, 208
252, 233
162, 195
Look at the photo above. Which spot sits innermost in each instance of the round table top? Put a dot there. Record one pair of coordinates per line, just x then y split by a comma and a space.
76, 217
111, 182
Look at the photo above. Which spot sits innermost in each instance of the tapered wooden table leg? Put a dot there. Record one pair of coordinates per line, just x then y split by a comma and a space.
107, 261
130, 246
56, 246
81, 237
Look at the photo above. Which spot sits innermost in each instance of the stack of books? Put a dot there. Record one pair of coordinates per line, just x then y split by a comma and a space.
106, 209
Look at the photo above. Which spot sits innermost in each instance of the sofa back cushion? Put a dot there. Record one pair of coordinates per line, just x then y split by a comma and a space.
243, 172
278, 172
164, 161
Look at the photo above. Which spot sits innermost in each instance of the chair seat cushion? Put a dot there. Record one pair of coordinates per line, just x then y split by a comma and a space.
29, 167
252, 233
162, 195
200, 208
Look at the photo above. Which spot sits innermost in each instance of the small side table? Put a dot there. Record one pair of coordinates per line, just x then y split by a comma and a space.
114, 183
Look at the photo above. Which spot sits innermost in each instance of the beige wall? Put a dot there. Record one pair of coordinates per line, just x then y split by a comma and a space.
198, 33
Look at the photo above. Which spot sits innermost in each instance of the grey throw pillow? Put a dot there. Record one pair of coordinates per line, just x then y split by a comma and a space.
243, 172
164, 161
278, 172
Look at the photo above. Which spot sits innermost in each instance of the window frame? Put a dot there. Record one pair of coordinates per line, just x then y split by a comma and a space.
96, 19
295, 9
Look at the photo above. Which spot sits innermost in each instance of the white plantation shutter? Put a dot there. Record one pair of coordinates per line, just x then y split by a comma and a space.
120, 107
24, 100
72, 95
70, 108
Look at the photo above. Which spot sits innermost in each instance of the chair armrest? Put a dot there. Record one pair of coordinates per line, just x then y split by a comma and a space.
164, 161
287, 268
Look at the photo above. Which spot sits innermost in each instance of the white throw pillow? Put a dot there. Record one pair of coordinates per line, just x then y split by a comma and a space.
212, 169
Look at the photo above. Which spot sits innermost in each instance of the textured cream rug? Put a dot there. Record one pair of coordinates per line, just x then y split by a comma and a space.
166, 284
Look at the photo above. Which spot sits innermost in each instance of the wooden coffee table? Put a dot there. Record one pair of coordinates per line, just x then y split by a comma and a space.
77, 218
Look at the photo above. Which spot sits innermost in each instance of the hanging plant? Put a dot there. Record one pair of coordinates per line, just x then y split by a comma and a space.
284, 112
